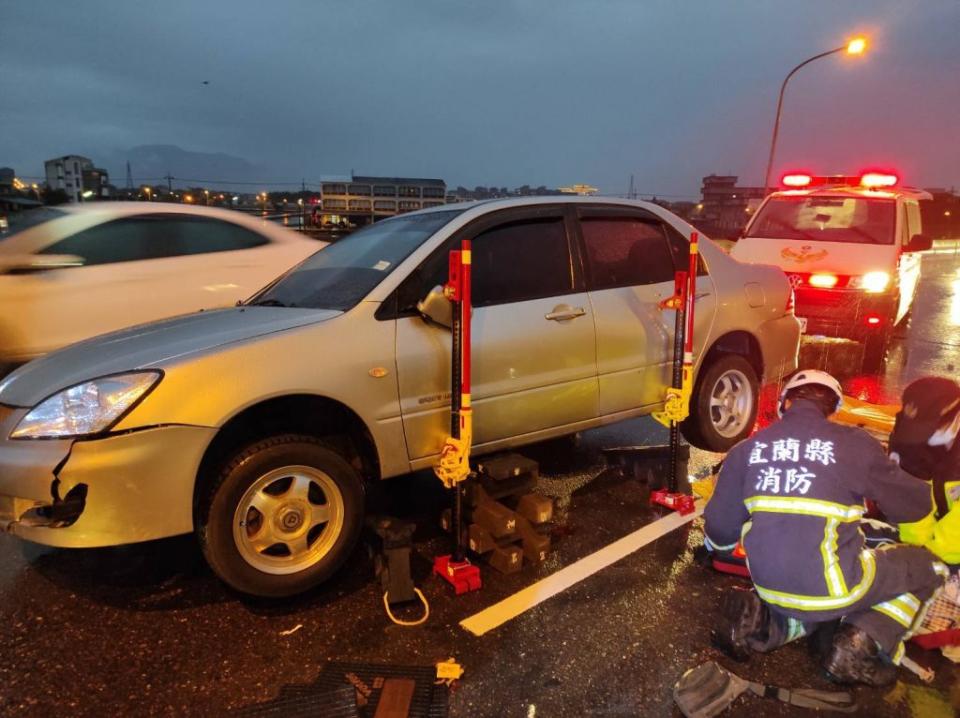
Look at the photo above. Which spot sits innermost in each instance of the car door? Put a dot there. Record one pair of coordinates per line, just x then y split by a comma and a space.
909, 262
630, 259
534, 348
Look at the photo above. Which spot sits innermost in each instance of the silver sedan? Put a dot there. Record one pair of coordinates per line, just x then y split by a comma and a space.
257, 426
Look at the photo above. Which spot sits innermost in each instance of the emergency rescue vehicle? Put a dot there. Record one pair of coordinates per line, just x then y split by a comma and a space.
850, 246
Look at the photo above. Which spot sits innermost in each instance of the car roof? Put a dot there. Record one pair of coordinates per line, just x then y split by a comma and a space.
512, 202
856, 191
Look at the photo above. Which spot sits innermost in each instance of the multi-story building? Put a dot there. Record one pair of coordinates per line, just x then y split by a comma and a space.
77, 176
363, 200
725, 208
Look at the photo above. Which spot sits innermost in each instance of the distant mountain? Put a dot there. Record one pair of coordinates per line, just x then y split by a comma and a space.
149, 162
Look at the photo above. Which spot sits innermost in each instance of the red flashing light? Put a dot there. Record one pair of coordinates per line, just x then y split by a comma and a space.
823, 281
878, 179
796, 180
874, 320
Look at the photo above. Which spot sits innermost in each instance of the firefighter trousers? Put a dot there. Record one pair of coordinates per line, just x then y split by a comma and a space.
907, 577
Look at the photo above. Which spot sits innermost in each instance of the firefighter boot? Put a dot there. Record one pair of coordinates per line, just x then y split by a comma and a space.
856, 658
742, 616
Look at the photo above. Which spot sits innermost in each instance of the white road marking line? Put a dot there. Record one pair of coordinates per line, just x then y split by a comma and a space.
525, 599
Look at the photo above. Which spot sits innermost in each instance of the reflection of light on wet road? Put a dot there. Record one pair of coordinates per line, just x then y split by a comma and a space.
955, 301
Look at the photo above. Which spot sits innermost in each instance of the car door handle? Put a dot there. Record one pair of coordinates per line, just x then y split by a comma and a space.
565, 312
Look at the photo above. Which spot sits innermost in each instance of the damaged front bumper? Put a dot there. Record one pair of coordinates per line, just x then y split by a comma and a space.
119, 489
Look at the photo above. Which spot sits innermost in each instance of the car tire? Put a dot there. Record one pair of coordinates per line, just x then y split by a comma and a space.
280, 516
875, 353
723, 408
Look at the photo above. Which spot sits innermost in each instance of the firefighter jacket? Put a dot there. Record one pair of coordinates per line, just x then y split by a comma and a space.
940, 530
794, 494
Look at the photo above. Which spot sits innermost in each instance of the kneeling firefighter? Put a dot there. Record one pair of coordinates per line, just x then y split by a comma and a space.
794, 494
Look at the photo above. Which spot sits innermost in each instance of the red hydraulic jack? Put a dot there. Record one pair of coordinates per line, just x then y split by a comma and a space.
454, 465
677, 405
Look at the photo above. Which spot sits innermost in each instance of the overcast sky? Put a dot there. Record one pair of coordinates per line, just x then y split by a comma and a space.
487, 92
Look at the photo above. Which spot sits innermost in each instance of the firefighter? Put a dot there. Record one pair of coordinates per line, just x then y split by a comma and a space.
794, 494
924, 440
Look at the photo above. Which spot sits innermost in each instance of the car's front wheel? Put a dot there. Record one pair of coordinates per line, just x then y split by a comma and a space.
723, 408
280, 516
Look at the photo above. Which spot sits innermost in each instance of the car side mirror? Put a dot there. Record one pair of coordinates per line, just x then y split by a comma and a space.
436, 308
34, 263
919, 243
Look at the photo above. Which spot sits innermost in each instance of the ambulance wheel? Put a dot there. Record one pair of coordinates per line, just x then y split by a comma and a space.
875, 353
723, 408
280, 516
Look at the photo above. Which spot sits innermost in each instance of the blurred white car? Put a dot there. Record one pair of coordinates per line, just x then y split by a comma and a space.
71, 272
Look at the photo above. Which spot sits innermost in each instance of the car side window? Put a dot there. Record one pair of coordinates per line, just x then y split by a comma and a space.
202, 235
155, 237
625, 252
913, 221
122, 240
680, 249
522, 260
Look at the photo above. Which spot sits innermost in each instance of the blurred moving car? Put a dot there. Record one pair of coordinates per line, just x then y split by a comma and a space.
258, 426
850, 246
74, 271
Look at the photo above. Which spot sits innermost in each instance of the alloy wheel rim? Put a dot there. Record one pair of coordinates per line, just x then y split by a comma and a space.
731, 403
288, 519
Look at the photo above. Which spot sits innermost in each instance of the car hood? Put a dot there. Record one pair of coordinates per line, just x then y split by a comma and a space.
791, 255
148, 346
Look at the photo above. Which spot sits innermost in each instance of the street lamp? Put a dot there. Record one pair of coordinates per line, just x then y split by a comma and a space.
856, 46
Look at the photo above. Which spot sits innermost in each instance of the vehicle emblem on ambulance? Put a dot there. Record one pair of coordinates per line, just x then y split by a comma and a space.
796, 280
806, 254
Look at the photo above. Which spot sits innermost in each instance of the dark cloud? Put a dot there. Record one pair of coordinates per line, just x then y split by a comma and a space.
532, 91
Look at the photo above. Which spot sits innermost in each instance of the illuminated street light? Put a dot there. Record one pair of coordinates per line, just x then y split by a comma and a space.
856, 46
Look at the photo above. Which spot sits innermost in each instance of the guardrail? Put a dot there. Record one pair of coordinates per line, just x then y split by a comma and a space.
945, 246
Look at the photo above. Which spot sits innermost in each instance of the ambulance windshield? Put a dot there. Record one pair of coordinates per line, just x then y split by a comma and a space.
827, 219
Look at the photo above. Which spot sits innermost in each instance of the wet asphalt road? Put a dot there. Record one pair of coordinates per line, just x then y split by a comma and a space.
147, 630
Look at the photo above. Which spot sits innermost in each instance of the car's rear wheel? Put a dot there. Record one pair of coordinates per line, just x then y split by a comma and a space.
723, 408
280, 516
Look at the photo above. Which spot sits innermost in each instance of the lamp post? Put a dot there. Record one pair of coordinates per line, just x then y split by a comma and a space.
856, 46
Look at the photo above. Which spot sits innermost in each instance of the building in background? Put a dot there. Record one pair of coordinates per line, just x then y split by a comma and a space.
725, 208
361, 200
77, 176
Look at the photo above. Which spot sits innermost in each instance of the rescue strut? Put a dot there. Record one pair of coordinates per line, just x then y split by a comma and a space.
454, 464
677, 403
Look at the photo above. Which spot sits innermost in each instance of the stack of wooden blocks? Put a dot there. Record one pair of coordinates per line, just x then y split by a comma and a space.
506, 521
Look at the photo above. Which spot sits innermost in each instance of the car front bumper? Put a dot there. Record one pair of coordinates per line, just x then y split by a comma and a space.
844, 313
136, 486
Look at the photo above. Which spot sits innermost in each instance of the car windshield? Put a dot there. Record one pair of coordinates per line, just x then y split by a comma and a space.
19, 221
342, 274
827, 219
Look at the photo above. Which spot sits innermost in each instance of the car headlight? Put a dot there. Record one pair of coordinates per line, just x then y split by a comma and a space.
87, 408
872, 282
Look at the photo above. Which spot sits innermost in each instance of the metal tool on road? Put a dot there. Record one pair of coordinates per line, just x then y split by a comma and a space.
677, 403
454, 465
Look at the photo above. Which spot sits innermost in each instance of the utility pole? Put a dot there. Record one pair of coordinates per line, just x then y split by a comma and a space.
631, 194
129, 176
169, 178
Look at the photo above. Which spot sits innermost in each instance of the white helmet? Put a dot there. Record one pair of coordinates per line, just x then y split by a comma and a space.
805, 377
